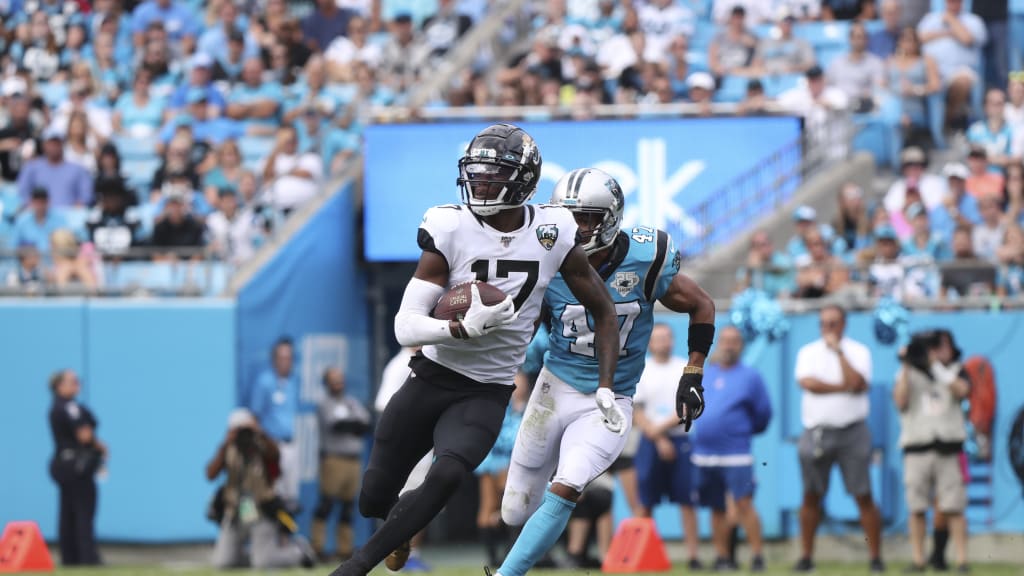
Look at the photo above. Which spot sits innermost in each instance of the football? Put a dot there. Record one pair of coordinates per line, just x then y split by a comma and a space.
454, 303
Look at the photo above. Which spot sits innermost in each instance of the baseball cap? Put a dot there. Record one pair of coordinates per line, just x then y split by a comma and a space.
403, 18
956, 170
240, 418
913, 155
805, 214
700, 80
53, 132
885, 232
200, 60
814, 72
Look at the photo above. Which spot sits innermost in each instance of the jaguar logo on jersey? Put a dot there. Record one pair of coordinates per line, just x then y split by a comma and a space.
547, 235
625, 282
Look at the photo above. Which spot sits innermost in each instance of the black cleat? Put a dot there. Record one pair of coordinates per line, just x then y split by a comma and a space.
877, 566
805, 566
757, 564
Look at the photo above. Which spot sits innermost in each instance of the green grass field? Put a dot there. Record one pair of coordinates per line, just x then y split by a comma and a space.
778, 570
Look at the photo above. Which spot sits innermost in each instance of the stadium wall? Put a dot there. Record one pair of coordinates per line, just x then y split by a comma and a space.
995, 490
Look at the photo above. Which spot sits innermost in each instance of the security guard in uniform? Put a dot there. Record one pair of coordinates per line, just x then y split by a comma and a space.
77, 458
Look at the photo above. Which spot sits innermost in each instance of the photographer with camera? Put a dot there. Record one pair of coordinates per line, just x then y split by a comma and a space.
246, 507
927, 394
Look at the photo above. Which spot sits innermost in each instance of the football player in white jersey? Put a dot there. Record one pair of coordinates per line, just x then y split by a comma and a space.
454, 400
562, 439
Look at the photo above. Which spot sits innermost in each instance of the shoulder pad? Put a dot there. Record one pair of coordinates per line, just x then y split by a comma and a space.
442, 219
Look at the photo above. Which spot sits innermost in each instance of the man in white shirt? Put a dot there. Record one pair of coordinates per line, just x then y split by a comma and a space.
834, 372
660, 21
819, 104
232, 232
291, 177
662, 460
931, 187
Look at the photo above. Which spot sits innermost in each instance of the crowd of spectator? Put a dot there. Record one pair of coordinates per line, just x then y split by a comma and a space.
186, 129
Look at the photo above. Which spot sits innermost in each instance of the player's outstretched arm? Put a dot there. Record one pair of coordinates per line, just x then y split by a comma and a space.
413, 323
684, 295
590, 290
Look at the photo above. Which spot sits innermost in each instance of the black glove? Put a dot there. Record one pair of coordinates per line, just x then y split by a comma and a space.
690, 394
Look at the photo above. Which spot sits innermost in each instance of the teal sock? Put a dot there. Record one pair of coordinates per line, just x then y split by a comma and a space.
539, 534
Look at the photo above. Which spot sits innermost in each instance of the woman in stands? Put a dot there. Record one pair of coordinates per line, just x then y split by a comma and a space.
912, 77
80, 145
226, 173
139, 114
852, 224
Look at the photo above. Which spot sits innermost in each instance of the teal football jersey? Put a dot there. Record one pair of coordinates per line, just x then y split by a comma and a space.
642, 265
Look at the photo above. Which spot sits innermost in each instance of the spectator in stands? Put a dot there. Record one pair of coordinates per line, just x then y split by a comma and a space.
163, 73
700, 90
754, 12
987, 236
954, 38
214, 41
204, 128
400, 60
110, 74
996, 16
255, 102
346, 50
767, 269
442, 29
74, 44
731, 50
993, 133
931, 187
886, 273
291, 177
755, 102
200, 78
932, 432
847, 10
77, 456
311, 90
958, 208
1011, 259
68, 184
177, 20
858, 73
834, 373
179, 156
884, 41
274, 401
661, 21
290, 35
1015, 193
783, 54
324, 24
72, 265
41, 56
80, 145
29, 275
17, 145
739, 409
913, 77
805, 219
113, 224
663, 457
231, 229
343, 422
228, 72
80, 99
924, 240
852, 224
247, 502
178, 233
34, 225
226, 172
818, 103
966, 274
983, 182
1014, 111
280, 69
819, 272
138, 113
182, 183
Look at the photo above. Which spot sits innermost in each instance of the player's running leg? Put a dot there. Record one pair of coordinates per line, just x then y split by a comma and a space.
464, 433
588, 448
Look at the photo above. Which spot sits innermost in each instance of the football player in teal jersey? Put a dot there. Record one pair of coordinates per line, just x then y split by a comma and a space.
564, 437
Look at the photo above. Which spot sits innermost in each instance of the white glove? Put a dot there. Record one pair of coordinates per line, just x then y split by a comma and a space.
614, 419
481, 319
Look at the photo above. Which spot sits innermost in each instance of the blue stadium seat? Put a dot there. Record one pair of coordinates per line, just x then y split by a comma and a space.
75, 218
255, 148
53, 94
700, 8
776, 85
213, 277
152, 276
763, 30
821, 34
702, 36
826, 54
418, 9
139, 172
732, 89
131, 148
9, 201
697, 61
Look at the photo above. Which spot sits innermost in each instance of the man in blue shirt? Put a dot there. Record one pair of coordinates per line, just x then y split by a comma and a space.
274, 401
212, 131
179, 21
201, 77
67, 183
882, 43
215, 40
737, 408
34, 226
324, 24
254, 102
958, 208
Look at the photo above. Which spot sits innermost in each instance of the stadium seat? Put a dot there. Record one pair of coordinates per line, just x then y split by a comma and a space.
75, 218
255, 149
821, 34
826, 54
132, 148
698, 61
139, 172
702, 36
776, 85
53, 94
9, 201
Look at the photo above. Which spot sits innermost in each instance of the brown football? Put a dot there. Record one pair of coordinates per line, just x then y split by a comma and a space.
454, 303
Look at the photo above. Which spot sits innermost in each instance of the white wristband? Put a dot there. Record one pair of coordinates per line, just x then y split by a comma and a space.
413, 323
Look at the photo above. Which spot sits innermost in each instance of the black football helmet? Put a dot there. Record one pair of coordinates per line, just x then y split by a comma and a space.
499, 170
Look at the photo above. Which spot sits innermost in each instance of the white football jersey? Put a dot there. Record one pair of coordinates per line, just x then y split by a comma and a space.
521, 263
